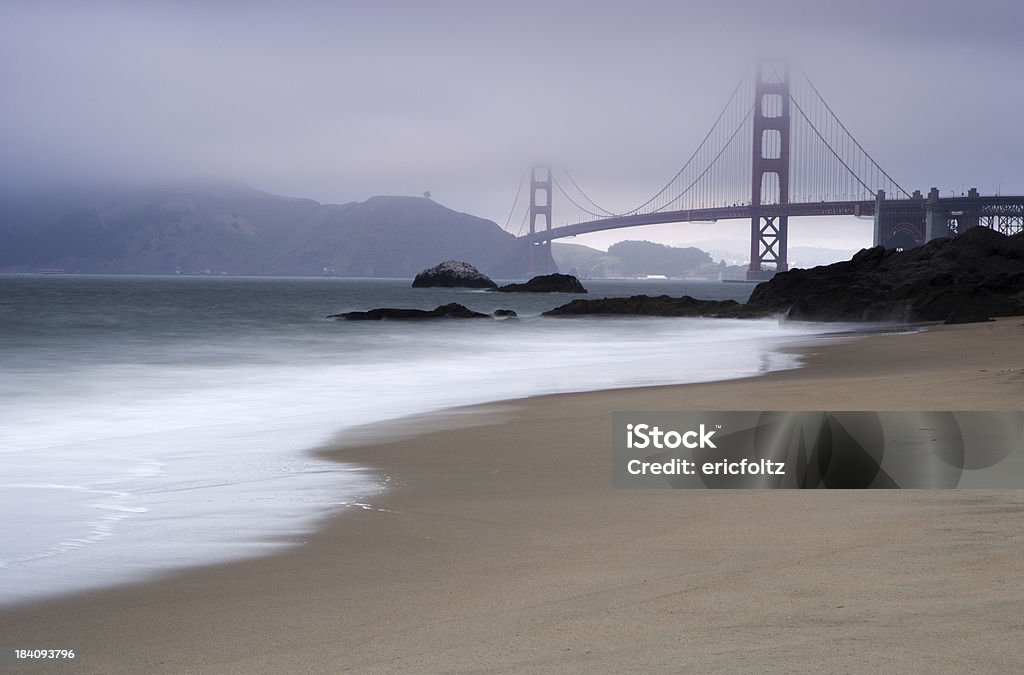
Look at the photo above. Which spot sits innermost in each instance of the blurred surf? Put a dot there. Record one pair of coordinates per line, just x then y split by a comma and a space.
148, 424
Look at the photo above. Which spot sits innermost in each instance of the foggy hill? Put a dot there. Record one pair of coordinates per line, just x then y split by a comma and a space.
400, 236
228, 228
637, 258
584, 261
737, 252
646, 257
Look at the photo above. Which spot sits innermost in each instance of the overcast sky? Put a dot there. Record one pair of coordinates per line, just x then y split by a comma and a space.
339, 101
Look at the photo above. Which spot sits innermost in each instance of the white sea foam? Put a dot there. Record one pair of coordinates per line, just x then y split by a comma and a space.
132, 457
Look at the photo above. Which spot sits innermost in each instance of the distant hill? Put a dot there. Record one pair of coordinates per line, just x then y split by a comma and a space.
647, 257
583, 261
737, 252
400, 236
637, 259
228, 228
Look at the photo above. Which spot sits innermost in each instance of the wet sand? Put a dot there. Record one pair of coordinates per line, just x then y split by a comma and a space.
503, 547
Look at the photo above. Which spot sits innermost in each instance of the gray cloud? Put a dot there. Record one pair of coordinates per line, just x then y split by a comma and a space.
340, 101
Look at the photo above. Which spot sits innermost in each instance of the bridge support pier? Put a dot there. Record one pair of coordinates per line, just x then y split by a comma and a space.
770, 176
540, 260
968, 216
902, 224
936, 222
878, 234
769, 241
944, 220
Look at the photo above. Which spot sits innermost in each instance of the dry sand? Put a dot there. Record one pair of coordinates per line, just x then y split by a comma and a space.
503, 547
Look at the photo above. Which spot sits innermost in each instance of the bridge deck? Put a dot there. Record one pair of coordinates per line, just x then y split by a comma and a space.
995, 205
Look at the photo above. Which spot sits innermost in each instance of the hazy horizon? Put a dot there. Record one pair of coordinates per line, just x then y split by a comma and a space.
342, 101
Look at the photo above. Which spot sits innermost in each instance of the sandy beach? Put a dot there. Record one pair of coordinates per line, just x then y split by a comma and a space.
502, 547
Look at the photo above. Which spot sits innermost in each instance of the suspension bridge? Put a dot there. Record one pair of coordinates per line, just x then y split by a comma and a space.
777, 150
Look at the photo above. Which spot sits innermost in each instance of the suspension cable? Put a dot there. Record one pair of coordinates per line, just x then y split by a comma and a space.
852, 137
522, 225
725, 147
574, 202
830, 148
515, 201
699, 147
584, 194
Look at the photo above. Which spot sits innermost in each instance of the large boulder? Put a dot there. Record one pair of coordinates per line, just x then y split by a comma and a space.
453, 274
450, 311
972, 277
548, 283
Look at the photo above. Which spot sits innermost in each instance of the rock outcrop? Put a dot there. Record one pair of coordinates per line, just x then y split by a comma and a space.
972, 277
661, 305
547, 283
450, 311
453, 274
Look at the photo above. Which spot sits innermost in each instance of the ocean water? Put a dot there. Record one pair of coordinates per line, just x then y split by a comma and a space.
149, 424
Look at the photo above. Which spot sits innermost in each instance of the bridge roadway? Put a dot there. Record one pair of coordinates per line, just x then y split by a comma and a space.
989, 205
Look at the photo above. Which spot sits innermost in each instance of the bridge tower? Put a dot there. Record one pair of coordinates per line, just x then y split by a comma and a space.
540, 261
770, 176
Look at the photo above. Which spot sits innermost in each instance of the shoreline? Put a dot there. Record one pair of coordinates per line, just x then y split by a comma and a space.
19, 585
501, 544
782, 355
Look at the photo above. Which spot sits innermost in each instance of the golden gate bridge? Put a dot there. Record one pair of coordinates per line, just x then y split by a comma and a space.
777, 150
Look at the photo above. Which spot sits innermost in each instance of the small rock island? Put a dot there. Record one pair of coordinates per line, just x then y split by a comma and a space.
452, 310
453, 274
660, 305
547, 283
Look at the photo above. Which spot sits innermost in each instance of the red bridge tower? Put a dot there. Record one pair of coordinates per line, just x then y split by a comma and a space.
770, 176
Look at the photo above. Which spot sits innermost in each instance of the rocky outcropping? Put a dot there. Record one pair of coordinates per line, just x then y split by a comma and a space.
505, 314
972, 277
548, 283
975, 276
450, 311
453, 274
661, 305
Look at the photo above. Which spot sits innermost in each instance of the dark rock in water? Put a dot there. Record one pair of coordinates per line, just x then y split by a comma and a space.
506, 313
662, 305
453, 274
450, 311
972, 277
548, 283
